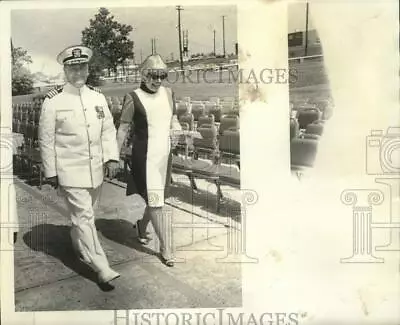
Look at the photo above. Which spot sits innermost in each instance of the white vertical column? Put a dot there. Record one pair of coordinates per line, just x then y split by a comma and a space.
8, 217
264, 142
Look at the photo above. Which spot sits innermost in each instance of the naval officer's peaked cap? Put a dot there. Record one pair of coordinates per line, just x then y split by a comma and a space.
75, 54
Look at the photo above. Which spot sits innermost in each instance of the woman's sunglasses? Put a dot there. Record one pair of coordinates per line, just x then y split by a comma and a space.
156, 76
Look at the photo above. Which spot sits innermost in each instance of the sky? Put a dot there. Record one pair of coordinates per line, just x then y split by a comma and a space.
45, 32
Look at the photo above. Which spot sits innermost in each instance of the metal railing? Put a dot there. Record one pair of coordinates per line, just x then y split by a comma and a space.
309, 57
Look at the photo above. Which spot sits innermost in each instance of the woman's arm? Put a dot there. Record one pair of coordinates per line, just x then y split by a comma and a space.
121, 134
125, 120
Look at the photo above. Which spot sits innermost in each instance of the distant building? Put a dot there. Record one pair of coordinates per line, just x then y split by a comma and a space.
298, 38
128, 68
297, 43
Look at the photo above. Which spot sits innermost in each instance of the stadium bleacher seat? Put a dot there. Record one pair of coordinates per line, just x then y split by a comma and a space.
182, 108
294, 128
308, 116
202, 164
235, 111
205, 119
310, 136
315, 128
209, 106
229, 147
303, 153
227, 122
216, 111
188, 119
197, 111
207, 145
227, 107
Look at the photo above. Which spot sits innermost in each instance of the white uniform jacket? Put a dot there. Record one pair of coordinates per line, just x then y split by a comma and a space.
77, 136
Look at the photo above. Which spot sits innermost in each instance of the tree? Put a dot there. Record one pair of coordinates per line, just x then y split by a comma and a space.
22, 79
109, 41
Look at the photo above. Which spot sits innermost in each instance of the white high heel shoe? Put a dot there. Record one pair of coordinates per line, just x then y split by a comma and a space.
107, 276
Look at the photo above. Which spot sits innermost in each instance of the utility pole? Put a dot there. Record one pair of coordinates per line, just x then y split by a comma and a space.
214, 41
306, 36
179, 8
152, 46
141, 56
223, 35
155, 46
186, 43
12, 52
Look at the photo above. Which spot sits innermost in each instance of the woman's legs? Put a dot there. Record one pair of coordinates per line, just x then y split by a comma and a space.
162, 226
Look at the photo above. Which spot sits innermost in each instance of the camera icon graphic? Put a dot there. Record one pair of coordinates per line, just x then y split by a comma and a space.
8, 147
383, 152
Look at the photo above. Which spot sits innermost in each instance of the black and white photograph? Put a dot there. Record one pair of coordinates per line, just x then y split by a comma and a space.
185, 163
128, 172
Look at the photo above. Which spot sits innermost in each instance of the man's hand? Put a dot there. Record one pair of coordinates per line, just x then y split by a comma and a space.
111, 168
53, 181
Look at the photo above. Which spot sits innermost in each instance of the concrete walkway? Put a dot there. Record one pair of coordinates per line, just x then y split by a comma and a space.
48, 276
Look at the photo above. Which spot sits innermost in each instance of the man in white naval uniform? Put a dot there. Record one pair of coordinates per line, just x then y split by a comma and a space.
77, 141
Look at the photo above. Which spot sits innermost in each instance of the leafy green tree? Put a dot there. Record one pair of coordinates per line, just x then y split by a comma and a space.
22, 79
109, 41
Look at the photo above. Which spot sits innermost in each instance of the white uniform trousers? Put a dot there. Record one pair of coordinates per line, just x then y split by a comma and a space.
80, 202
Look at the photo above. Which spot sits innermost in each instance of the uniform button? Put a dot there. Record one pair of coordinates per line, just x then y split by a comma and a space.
91, 157
88, 125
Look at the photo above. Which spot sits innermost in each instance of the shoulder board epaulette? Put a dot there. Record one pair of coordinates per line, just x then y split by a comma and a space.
53, 92
95, 89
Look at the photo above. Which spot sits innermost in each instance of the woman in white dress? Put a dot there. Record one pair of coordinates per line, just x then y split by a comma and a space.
149, 113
